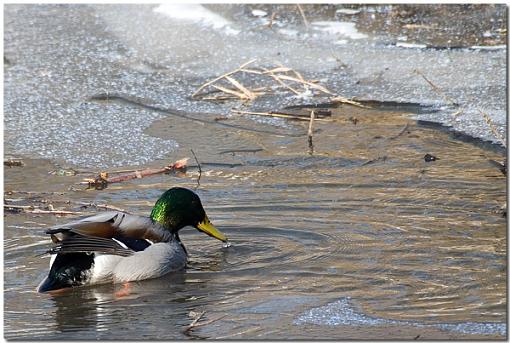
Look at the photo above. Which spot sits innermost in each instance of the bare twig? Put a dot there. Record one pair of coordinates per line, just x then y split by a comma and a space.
310, 133
207, 322
199, 169
439, 92
302, 15
193, 324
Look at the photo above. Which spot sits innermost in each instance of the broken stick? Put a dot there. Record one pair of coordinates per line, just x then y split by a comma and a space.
102, 180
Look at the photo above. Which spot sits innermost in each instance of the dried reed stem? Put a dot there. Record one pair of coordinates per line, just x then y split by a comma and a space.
243, 89
222, 76
199, 169
440, 92
492, 127
341, 99
308, 83
277, 115
277, 78
310, 133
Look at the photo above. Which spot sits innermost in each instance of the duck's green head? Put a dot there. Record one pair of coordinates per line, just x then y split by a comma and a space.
180, 207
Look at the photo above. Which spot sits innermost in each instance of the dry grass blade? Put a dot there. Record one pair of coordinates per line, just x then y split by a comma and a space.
439, 91
250, 330
221, 97
277, 70
343, 100
230, 91
492, 127
277, 115
277, 79
308, 83
221, 77
251, 71
299, 76
239, 86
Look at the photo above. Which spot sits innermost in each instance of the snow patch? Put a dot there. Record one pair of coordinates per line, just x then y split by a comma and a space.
343, 28
196, 13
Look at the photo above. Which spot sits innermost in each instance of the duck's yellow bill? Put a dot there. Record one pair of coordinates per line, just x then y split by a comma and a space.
206, 227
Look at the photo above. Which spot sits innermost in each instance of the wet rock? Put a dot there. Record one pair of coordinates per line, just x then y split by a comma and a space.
430, 158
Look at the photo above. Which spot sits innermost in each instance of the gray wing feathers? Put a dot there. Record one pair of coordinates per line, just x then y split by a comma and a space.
95, 233
78, 243
114, 223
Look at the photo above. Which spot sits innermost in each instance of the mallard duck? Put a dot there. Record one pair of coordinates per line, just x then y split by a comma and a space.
121, 247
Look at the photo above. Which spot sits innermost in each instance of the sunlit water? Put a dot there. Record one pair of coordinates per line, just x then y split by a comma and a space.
364, 239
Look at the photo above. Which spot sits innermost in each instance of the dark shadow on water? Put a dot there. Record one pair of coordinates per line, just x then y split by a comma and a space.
454, 134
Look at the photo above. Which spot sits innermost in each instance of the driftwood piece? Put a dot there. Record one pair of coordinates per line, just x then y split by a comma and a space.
102, 180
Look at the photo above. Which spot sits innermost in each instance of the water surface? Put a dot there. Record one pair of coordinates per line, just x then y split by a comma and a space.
361, 240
